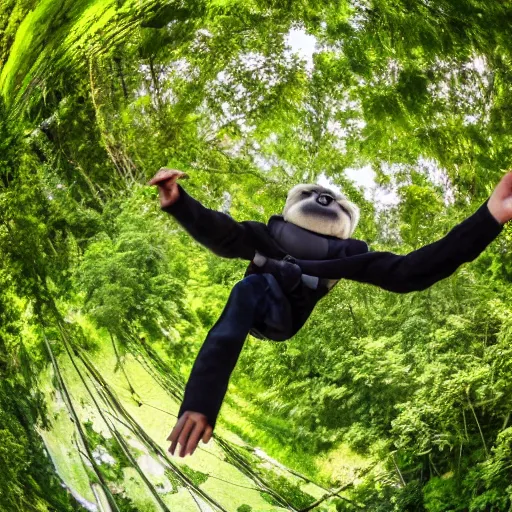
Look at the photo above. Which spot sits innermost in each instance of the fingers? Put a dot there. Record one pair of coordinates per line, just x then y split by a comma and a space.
173, 436
191, 427
506, 184
193, 440
185, 432
165, 174
207, 434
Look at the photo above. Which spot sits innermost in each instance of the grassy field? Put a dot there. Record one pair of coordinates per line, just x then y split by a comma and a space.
138, 476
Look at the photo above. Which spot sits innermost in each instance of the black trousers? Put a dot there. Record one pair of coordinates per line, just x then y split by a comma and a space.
256, 305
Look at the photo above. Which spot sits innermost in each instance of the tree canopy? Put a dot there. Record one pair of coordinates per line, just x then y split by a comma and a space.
96, 96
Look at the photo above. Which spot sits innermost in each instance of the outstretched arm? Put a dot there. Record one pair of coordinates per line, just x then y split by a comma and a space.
209, 378
215, 230
422, 268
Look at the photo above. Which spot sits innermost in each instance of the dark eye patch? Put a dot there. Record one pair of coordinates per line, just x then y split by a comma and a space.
306, 193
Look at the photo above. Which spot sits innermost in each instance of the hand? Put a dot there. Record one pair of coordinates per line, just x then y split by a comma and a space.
500, 202
165, 179
191, 427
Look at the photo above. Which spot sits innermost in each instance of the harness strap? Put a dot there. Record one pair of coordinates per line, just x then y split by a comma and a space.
311, 282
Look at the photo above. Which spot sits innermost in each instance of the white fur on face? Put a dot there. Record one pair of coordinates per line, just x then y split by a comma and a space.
338, 219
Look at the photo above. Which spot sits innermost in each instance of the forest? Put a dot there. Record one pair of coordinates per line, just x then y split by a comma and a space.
383, 401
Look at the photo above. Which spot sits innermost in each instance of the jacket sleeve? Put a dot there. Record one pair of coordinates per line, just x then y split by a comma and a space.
209, 378
419, 269
215, 230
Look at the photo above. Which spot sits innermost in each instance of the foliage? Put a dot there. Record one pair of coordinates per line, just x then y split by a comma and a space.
96, 96
125, 273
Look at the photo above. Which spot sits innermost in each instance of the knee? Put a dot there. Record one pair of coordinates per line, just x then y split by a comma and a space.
251, 284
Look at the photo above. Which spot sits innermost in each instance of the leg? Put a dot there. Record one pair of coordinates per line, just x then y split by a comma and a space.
209, 378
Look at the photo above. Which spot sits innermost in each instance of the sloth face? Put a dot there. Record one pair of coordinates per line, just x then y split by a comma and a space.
321, 210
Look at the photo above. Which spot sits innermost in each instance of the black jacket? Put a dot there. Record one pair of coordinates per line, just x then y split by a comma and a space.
346, 259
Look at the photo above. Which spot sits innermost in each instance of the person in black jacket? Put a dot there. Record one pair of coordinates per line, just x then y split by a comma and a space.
295, 260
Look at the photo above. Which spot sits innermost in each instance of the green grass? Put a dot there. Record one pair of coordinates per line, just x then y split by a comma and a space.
59, 442
207, 460
271, 434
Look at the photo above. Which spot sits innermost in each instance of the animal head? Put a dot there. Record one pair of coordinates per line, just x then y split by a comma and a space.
321, 210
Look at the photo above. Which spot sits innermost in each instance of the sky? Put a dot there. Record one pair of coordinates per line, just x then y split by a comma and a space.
304, 45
